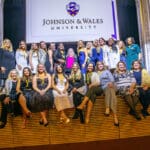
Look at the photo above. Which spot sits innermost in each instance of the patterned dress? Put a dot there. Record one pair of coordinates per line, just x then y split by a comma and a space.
61, 101
42, 102
27, 90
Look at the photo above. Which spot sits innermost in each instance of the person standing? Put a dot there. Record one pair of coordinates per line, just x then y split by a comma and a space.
7, 61
21, 57
133, 52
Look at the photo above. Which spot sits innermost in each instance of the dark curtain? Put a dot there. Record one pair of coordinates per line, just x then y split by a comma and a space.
14, 21
127, 19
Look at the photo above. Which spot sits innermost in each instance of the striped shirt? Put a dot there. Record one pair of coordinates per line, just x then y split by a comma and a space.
124, 80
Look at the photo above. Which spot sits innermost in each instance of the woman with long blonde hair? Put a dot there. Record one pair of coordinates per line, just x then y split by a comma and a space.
21, 57
7, 61
10, 99
42, 97
77, 88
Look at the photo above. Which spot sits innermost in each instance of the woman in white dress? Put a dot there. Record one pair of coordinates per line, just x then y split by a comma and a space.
34, 57
61, 99
21, 57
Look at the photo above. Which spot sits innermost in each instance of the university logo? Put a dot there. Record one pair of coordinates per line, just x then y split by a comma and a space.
72, 8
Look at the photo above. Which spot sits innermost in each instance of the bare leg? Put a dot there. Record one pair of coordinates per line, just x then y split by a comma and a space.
22, 102
85, 100
24, 121
63, 117
44, 119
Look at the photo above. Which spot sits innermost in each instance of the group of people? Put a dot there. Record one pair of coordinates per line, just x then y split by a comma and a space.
43, 78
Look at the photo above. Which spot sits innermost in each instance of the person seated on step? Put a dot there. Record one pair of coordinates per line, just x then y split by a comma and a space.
93, 89
77, 89
107, 84
61, 99
24, 87
143, 83
10, 98
42, 99
126, 87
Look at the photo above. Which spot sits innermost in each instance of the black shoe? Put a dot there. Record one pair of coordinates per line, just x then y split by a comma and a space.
82, 120
2, 125
76, 115
116, 124
145, 113
137, 116
106, 114
131, 112
46, 124
41, 122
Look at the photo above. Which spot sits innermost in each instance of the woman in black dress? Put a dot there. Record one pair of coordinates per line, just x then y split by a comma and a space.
76, 86
42, 97
24, 87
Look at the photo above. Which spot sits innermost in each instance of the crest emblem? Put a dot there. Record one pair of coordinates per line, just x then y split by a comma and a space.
72, 8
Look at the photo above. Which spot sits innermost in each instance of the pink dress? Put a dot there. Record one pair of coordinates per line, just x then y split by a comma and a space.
69, 62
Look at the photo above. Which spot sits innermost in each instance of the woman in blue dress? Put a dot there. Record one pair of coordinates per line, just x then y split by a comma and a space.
133, 52
82, 56
122, 51
89, 47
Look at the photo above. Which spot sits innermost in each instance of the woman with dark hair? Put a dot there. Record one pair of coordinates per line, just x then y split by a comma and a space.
42, 97
60, 55
113, 55
77, 88
61, 99
143, 83
93, 89
24, 87
133, 52
126, 87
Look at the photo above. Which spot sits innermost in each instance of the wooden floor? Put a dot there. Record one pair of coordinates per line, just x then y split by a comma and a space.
99, 128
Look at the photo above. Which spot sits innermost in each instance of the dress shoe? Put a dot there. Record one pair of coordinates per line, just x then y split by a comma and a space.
145, 113
106, 114
131, 112
82, 120
116, 124
46, 124
67, 120
137, 116
2, 125
76, 115
41, 122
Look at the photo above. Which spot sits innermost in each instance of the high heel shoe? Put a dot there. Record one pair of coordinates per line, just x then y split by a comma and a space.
41, 122
67, 120
46, 124
106, 114
116, 124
